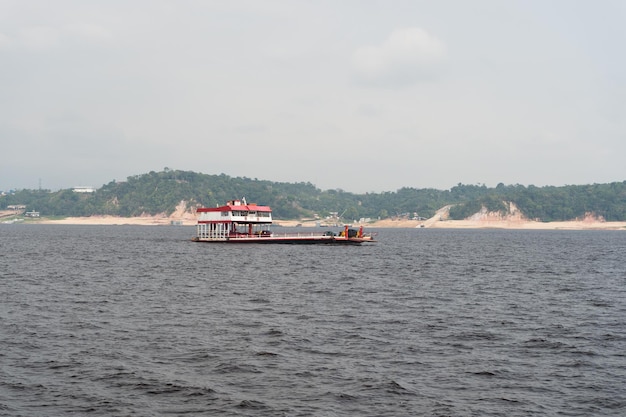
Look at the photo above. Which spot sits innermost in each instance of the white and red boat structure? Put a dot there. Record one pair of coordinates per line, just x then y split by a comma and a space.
240, 222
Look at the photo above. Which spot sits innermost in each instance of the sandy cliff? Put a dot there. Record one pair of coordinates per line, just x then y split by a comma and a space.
482, 220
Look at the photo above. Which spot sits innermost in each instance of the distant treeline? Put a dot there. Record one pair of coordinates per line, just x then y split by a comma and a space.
161, 192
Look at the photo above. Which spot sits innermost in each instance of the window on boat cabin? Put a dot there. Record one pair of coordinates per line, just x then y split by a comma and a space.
225, 213
264, 213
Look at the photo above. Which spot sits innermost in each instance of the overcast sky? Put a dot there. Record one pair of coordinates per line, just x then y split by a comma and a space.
365, 96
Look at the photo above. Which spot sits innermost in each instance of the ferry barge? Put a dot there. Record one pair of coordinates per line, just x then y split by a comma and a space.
239, 222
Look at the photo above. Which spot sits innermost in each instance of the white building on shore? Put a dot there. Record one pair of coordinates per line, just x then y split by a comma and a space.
84, 189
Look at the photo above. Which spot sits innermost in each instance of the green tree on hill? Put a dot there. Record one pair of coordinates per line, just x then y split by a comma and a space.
160, 192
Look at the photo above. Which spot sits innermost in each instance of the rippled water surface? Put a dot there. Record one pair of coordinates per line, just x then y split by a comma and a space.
125, 320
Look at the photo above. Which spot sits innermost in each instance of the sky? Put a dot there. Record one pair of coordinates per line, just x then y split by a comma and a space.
358, 95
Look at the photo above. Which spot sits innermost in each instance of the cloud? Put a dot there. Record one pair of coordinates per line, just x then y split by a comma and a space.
88, 31
39, 36
407, 56
5, 41
45, 37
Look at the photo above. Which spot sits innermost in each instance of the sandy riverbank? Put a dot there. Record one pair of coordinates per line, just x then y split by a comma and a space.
116, 221
483, 224
505, 224
388, 223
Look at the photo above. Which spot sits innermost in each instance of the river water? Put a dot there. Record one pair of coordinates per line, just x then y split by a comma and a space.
140, 321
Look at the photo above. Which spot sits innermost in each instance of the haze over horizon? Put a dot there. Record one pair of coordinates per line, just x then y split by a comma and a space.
361, 96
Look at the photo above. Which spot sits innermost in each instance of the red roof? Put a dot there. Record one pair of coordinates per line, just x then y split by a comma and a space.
249, 207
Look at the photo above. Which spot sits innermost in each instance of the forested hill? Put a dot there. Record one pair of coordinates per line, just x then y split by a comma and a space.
161, 192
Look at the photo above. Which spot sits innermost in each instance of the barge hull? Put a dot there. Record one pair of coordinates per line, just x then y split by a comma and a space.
322, 240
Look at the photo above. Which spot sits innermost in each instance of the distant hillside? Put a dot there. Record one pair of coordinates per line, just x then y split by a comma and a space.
162, 192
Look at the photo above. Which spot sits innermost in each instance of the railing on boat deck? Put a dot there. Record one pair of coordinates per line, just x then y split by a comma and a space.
298, 235
273, 236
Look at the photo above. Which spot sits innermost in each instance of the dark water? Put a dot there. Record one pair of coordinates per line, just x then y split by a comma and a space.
140, 321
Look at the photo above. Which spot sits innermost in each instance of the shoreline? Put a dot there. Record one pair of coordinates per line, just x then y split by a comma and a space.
483, 224
519, 224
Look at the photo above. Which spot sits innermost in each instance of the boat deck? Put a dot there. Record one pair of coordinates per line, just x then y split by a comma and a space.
288, 238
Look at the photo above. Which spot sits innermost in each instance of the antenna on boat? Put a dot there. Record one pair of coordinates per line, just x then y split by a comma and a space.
244, 201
